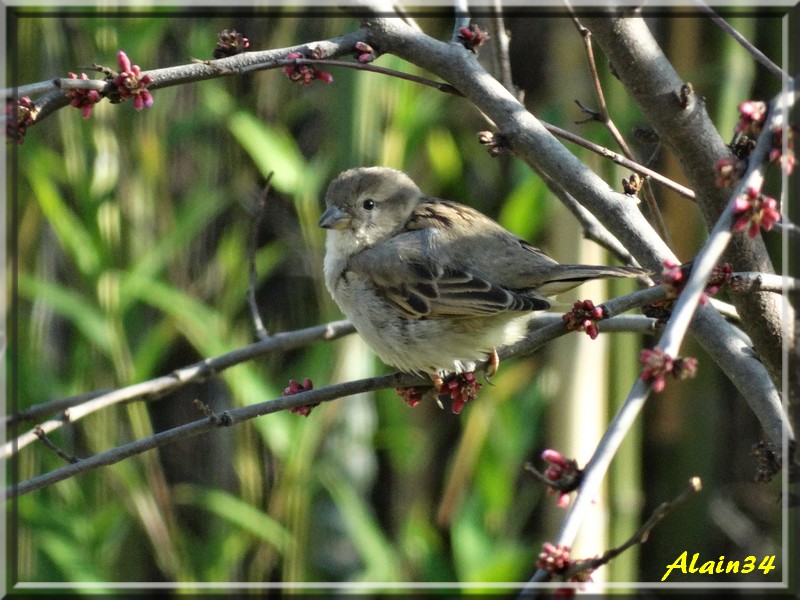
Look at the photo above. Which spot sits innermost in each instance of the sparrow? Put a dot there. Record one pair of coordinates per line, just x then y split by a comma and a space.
433, 286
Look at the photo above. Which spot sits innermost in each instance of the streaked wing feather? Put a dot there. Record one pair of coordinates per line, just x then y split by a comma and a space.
450, 293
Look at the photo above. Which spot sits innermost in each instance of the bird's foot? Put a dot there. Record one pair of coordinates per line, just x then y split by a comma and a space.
493, 366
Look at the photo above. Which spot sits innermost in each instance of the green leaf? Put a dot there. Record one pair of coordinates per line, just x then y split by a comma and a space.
69, 229
237, 512
83, 314
272, 148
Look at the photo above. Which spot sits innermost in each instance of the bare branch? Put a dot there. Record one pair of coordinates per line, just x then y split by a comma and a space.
160, 386
261, 211
741, 40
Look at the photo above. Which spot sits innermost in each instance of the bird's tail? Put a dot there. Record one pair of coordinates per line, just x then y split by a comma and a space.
567, 277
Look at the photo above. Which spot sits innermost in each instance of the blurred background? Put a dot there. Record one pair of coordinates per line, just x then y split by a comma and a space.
132, 260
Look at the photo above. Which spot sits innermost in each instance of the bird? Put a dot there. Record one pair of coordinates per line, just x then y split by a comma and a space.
433, 286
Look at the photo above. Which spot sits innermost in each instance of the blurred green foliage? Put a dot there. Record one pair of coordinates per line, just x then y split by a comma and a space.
133, 260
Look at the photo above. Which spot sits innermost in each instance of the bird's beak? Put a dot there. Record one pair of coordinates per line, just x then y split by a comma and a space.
334, 218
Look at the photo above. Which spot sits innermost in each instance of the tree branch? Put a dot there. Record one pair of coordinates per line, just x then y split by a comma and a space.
690, 134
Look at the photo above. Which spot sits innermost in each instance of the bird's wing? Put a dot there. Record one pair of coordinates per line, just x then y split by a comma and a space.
420, 288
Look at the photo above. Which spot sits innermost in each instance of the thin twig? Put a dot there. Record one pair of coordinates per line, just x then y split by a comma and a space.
785, 225
52, 447
261, 211
500, 43
741, 40
437, 85
762, 282
462, 18
641, 536
620, 160
403, 14
604, 117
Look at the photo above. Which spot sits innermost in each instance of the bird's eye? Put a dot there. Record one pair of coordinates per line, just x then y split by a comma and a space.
368, 204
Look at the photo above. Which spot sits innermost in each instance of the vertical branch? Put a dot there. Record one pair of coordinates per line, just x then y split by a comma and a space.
462, 17
261, 211
603, 117
500, 43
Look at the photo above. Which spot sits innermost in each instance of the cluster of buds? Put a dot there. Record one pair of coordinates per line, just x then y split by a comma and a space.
19, 116
787, 160
411, 395
769, 461
751, 118
365, 53
753, 211
675, 276
752, 115
83, 100
556, 559
460, 388
657, 365
230, 43
130, 83
720, 275
304, 74
563, 473
583, 317
295, 388
473, 37
729, 171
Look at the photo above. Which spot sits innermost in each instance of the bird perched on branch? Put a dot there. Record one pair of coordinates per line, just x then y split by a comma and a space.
433, 286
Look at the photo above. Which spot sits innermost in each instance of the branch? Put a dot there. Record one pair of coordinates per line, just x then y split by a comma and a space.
78, 407
641, 536
770, 412
774, 69
261, 212
604, 117
684, 126
553, 329
529, 139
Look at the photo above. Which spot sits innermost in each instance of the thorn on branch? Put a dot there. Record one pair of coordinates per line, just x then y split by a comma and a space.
52, 447
206, 410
